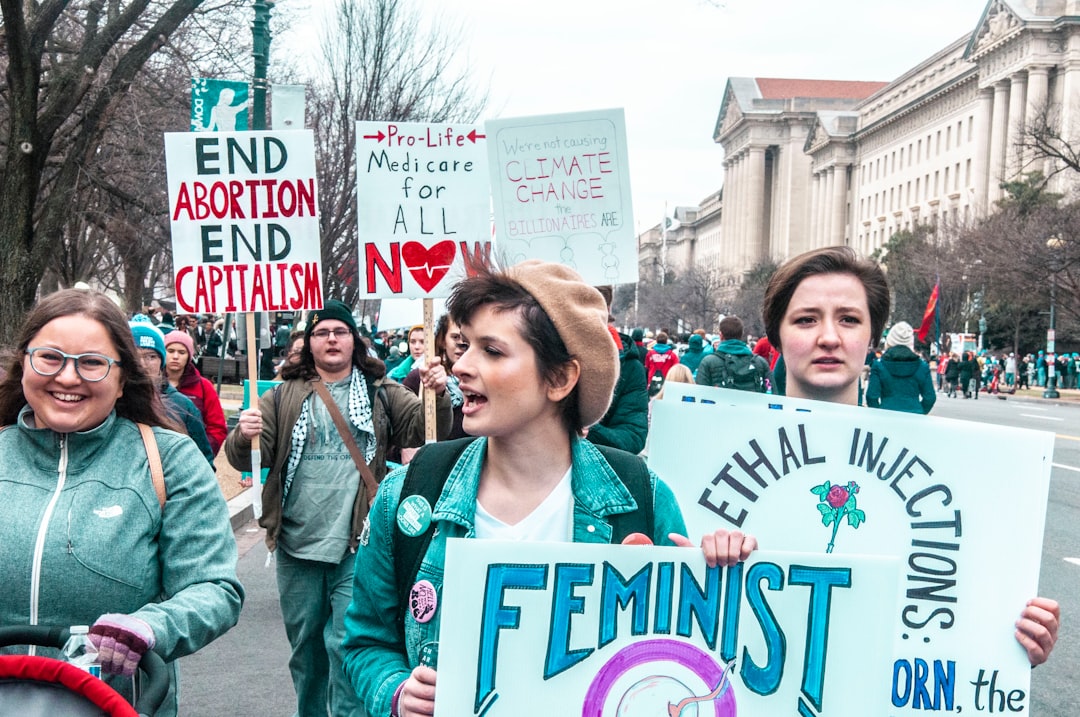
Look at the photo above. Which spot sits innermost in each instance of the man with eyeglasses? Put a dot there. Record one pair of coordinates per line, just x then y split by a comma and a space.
150, 343
314, 500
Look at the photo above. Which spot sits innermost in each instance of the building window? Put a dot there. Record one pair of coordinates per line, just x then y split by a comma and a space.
956, 178
946, 178
901, 158
948, 138
971, 126
937, 145
967, 174
918, 157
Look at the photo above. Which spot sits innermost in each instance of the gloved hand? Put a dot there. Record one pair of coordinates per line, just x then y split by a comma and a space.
121, 641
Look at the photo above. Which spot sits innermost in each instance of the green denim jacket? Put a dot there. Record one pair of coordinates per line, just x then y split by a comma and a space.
375, 660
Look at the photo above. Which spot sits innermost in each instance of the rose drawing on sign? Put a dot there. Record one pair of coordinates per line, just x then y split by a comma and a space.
834, 503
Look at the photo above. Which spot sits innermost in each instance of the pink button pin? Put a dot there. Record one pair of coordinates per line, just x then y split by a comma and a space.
422, 601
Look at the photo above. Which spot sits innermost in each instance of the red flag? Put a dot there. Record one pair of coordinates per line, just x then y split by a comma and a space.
929, 315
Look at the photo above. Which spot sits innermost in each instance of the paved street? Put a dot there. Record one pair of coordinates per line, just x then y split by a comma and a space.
246, 673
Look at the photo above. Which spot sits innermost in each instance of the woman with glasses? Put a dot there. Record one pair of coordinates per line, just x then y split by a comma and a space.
85, 539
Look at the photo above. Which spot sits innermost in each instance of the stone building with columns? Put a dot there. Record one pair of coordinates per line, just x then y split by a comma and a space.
812, 163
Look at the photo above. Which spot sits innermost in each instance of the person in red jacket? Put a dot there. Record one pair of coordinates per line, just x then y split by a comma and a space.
179, 350
660, 358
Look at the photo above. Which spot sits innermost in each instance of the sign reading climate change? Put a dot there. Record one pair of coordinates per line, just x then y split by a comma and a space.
619, 631
245, 221
962, 504
561, 187
423, 207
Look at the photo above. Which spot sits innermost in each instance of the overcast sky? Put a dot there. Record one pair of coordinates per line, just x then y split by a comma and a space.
666, 63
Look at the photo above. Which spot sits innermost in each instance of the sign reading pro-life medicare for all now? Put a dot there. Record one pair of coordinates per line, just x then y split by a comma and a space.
423, 207
245, 221
561, 187
962, 504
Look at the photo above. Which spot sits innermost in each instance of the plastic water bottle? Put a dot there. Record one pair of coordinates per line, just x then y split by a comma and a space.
79, 651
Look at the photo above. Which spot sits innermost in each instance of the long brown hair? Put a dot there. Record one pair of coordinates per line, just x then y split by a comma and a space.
141, 399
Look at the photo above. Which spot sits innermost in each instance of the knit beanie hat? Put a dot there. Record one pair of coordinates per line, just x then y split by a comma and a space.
900, 335
332, 309
181, 337
638, 335
696, 343
580, 316
147, 336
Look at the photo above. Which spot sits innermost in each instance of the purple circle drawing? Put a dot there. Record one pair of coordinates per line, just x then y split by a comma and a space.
659, 696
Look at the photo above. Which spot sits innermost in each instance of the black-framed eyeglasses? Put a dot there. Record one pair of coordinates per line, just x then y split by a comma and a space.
91, 367
323, 334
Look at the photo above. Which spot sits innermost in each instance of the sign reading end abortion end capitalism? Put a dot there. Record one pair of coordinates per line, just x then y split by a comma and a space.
245, 221
630, 631
423, 207
966, 524
561, 188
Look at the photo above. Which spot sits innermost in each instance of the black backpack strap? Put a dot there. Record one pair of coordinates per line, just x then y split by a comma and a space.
634, 474
425, 476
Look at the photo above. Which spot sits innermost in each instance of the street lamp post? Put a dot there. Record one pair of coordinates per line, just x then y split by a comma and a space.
260, 30
1054, 244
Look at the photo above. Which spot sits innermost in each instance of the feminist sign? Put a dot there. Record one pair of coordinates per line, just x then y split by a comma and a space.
617, 631
245, 221
423, 209
561, 187
841, 480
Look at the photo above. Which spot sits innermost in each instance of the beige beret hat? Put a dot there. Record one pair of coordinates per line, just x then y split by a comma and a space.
580, 314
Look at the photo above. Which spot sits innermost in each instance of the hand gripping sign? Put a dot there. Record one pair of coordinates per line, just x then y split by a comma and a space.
245, 221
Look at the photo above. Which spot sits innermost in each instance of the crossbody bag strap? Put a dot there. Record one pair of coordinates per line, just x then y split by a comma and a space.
157, 475
347, 437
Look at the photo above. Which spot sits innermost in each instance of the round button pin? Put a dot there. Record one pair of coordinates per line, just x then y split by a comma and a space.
414, 515
422, 601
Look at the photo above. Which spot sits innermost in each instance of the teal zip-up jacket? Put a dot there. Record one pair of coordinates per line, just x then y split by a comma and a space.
83, 534
375, 660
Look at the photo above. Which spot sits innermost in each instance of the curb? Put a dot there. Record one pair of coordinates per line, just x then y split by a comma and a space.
241, 511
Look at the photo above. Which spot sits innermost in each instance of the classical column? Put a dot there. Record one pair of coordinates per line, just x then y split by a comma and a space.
839, 203
728, 217
755, 198
1069, 76
999, 130
815, 184
1015, 130
734, 240
1038, 89
980, 156
825, 210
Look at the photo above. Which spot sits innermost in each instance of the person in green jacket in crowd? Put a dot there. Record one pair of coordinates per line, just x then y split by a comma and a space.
86, 539
540, 366
625, 425
695, 352
900, 380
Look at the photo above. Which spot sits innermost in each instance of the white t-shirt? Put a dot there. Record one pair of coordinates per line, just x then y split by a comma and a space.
551, 521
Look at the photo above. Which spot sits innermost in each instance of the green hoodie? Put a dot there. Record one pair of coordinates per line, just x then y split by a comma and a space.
83, 534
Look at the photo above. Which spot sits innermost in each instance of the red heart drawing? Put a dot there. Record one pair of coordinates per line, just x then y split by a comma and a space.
428, 266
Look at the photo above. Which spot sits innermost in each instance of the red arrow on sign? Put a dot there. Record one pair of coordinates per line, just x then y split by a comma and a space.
473, 136
377, 137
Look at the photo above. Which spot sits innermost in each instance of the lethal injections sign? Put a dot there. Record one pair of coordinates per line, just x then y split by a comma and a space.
962, 504
561, 189
245, 221
629, 631
423, 207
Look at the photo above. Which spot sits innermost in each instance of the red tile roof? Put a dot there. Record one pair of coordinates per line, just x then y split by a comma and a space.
777, 89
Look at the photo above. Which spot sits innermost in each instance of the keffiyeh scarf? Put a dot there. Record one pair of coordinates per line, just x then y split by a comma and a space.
359, 415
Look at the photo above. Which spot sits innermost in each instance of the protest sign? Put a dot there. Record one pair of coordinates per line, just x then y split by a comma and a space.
561, 189
591, 629
962, 504
218, 105
245, 221
423, 207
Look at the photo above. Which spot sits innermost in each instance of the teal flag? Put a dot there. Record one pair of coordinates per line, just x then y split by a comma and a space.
218, 105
